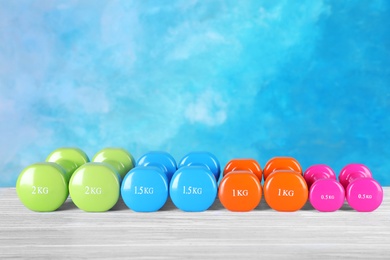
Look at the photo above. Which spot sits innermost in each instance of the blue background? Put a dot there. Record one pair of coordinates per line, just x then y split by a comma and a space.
308, 79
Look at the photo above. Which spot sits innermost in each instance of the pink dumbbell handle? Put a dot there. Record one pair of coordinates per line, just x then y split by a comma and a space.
353, 172
318, 172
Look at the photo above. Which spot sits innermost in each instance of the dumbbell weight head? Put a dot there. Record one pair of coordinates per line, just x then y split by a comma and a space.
193, 186
326, 194
285, 189
95, 186
362, 192
240, 188
145, 187
44, 186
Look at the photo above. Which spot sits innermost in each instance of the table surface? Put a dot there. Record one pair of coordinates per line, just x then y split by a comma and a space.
170, 233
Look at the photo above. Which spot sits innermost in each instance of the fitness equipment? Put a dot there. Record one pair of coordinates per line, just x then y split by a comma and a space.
145, 187
363, 193
285, 189
326, 194
240, 188
44, 186
194, 185
95, 186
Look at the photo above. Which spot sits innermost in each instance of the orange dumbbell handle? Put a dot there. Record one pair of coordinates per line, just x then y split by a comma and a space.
243, 165
281, 163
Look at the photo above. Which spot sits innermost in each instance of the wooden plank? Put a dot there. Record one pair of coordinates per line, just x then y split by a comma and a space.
171, 233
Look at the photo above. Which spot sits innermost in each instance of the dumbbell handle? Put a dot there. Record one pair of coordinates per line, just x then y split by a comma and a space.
312, 178
199, 165
283, 170
321, 175
68, 166
118, 166
358, 172
355, 176
318, 172
351, 177
157, 165
281, 164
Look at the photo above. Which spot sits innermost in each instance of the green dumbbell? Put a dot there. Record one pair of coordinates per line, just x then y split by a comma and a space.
44, 186
95, 186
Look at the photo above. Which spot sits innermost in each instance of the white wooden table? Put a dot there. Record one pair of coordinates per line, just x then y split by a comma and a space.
171, 233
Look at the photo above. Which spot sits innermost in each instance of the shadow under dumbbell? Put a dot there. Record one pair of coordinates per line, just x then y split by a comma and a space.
168, 206
346, 207
119, 206
68, 205
308, 207
263, 205
217, 205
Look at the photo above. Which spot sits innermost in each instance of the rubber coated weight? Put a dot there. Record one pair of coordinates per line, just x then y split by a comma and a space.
285, 189
145, 187
44, 186
194, 185
326, 194
240, 188
362, 192
95, 186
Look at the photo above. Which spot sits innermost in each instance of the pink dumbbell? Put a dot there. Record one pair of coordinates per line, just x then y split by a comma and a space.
363, 193
326, 193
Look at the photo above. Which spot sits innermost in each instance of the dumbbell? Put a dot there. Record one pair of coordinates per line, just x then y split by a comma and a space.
194, 185
240, 188
95, 186
326, 194
284, 188
363, 193
145, 187
44, 186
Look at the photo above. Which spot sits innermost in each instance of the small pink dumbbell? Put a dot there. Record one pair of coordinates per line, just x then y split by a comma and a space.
363, 193
326, 193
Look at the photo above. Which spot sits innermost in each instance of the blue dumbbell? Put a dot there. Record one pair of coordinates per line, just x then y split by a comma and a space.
194, 185
145, 187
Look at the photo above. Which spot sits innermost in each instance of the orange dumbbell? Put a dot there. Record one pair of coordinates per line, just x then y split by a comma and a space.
285, 189
240, 188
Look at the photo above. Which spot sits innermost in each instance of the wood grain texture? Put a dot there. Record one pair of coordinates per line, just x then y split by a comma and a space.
171, 233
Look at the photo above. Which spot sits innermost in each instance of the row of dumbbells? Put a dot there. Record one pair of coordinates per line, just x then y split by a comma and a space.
192, 184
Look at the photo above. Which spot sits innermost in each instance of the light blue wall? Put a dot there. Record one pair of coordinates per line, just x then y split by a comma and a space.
257, 79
